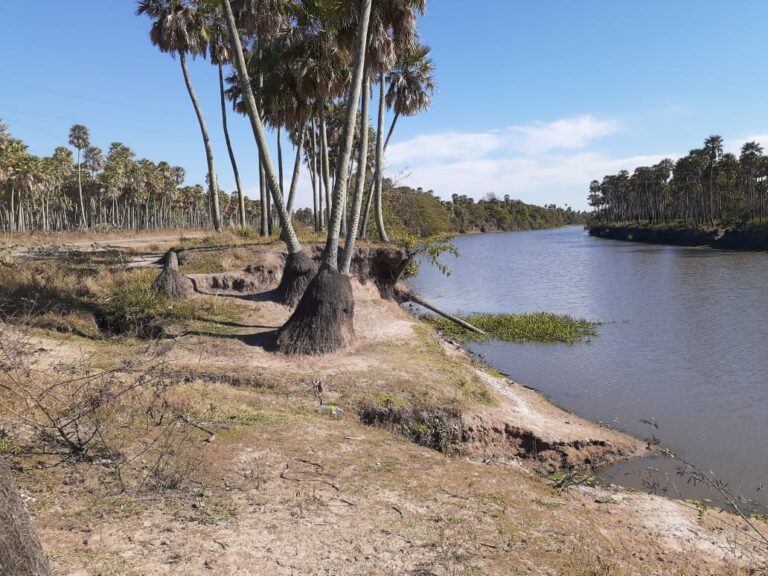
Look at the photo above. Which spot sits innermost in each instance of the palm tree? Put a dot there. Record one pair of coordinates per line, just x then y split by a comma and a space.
323, 319
219, 52
93, 161
299, 267
179, 29
79, 139
750, 160
713, 150
362, 165
411, 85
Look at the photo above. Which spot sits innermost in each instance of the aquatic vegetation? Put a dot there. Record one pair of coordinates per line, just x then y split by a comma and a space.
535, 327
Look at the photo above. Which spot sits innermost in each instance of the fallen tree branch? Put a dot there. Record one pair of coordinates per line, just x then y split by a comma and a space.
405, 294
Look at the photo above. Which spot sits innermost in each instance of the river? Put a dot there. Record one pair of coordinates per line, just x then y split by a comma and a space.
684, 343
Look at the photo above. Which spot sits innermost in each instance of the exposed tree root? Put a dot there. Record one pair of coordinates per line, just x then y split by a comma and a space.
171, 282
297, 274
20, 551
323, 321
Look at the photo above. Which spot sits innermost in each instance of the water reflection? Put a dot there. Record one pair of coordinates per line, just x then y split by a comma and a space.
684, 343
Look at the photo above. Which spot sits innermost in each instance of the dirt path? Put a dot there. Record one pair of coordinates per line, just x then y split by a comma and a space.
137, 242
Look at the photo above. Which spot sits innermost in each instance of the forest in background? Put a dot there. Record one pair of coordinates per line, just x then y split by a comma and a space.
705, 188
121, 191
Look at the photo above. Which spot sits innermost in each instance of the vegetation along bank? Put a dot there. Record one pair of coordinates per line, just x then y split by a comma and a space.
706, 198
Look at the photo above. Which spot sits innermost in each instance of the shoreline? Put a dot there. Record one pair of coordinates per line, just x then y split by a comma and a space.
752, 239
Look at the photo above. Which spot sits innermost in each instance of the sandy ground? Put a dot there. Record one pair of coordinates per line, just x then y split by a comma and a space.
72, 243
305, 493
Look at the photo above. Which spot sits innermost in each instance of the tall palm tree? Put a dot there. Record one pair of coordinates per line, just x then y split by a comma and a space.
80, 139
393, 33
323, 319
299, 267
219, 51
750, 160
713, 150
93, 161
178, 28
411, 85
362, 165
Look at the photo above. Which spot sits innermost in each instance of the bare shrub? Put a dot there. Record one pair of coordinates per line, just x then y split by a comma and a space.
125, 418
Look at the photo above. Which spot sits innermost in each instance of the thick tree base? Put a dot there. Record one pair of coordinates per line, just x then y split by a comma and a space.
323, 321
20, 551
171, 282
297, 274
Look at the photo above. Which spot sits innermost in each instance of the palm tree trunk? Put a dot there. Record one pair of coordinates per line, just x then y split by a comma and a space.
362, 163
259, 133
235, 171
391, 130
80, 190
379, 176
330, 255
270, 219
313, 170
296, 171
263, 226
324, 157
369, 201
213, 186
280, 160
12, 214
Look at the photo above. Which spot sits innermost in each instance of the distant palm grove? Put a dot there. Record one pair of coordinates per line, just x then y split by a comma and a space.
704, 188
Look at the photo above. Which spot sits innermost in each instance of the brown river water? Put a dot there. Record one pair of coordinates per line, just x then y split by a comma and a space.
683, 344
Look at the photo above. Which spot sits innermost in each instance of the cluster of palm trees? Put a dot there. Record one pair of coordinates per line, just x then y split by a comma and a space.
81, 187
298, 57
297, 63
304, 68
707, 187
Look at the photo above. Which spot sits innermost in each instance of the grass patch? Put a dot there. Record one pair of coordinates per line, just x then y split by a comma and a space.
474, 389
135, 309
536, 327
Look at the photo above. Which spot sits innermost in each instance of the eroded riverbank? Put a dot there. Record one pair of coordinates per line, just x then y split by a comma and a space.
681, 344
754, 238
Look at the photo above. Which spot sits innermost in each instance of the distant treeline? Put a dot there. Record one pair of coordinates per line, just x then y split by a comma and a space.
421, 213
83, 187
704, 188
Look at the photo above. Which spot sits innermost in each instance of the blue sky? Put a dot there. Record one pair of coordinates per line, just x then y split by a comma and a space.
535, 98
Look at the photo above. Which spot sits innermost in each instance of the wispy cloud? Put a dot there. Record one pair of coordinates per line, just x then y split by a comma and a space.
445, 146
565, 134
539, 162
734, 146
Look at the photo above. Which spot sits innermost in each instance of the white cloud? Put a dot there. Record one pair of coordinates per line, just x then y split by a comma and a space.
558, 179
565, 134
447, 146
538, 163
734, 146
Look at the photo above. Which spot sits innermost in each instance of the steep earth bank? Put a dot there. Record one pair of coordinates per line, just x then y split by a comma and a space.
751, 238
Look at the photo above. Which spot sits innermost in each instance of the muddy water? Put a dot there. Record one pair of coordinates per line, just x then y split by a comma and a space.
684, 344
